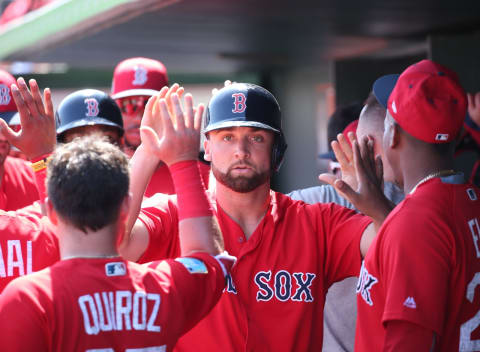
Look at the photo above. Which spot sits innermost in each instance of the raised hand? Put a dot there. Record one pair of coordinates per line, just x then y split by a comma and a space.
344, 155
38, 135
169, 131
368, 195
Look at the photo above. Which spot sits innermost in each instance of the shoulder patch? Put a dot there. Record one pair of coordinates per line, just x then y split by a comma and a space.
115, 269
193, 265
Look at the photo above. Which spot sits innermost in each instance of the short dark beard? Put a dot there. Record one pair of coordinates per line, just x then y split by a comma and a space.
240, 184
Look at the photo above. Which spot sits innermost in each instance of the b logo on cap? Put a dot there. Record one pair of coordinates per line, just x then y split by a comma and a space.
140, 76
239, 102
92, 107
4, 95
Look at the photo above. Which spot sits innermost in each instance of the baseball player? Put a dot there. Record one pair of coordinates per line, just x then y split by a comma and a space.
17, 181
88, 111
340, 313
417, 289
27, 241
135, 80
289, 252
94, 300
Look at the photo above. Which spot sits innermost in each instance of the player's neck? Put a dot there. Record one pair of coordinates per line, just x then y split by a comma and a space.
422, 170
246, 209
75, 243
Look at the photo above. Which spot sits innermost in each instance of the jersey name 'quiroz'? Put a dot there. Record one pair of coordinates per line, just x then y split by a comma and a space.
119, 310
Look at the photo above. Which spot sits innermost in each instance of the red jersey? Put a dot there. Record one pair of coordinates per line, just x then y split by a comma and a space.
100, 304
18, 188
424, 268
27, 244
275, 295
161, 181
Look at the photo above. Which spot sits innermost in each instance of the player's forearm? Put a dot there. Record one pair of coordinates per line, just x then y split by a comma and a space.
200, 234
198, 228
142, 167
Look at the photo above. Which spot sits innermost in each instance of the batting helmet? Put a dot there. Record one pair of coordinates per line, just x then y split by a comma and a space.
248, 105
138, 76
87, 107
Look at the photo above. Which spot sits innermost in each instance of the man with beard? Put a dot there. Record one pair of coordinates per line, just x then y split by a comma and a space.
288, 252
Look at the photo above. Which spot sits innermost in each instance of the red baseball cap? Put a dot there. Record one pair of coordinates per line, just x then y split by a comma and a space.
8, 108
428, 102
138, 76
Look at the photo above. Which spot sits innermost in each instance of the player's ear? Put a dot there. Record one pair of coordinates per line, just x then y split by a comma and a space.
391, 133
52, 215
394, 136
206, 146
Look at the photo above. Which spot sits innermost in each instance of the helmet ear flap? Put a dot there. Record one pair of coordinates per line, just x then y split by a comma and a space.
278, 151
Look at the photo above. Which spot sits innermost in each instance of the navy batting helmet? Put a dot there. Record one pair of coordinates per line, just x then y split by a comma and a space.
87, 107
248, 105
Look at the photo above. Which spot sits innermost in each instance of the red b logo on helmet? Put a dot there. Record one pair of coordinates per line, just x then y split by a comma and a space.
239, 102
92, 107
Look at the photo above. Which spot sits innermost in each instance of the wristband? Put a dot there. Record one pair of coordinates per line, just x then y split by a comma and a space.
40, 163
191, 197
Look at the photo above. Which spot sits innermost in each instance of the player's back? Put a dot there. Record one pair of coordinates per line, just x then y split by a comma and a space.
464, 286
102, 304
457, 206
27, 244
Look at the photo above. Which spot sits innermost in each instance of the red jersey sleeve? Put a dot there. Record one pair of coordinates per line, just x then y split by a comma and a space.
159, 214
416, 244
18, 184
403, 336
197, 281
343, 230
22, 324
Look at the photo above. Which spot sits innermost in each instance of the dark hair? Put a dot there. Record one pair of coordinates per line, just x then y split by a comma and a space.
87, 180
374, 111
372, 102
340, 119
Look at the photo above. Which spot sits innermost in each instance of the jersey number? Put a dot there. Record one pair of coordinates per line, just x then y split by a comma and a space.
466, 343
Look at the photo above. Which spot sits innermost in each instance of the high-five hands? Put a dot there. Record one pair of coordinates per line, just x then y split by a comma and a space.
169, 130
38, 135
362, 184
